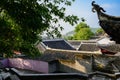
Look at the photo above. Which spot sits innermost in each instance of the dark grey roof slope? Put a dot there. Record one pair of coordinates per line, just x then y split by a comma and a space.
58, 44
88, 47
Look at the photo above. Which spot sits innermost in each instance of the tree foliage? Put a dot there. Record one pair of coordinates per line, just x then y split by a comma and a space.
82, 32
100, 31
22, 20
80, 26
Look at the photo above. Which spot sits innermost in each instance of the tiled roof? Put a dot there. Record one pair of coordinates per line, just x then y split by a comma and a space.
58, 44
88, 47
74, 43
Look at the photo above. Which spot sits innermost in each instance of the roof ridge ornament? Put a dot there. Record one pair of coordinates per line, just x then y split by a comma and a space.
97, 8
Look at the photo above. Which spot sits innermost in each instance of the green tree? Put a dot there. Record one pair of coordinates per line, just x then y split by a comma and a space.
69, 38
21, 21
81, 25
100, 31
82, 32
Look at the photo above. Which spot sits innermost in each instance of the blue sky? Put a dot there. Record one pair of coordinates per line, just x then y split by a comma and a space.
82, 8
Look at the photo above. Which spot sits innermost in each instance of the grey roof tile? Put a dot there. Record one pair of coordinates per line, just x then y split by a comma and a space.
58, 44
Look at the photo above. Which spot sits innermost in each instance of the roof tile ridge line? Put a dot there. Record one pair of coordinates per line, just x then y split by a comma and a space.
53, 40
69, 44
43, 45
79, 46
75, 51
